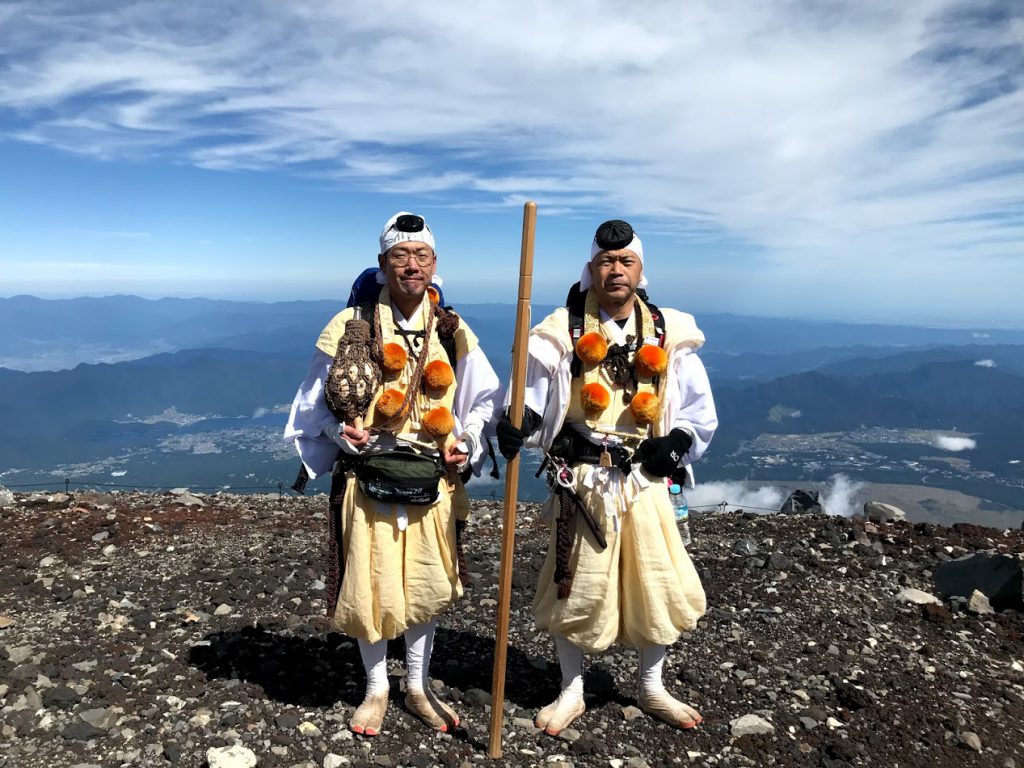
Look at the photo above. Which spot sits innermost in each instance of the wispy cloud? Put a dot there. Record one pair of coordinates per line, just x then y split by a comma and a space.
870, 134
986, 363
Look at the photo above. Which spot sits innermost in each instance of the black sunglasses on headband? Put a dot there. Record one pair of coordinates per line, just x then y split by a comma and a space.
409, 222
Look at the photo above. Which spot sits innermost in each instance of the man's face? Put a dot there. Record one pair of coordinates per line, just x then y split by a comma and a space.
615, 275
409, 268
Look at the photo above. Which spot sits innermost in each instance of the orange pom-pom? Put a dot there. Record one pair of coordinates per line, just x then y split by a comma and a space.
651, 361
390, 402
594, 398
395, 357
433, 295
592, 348
437, 374
645, 407
439, 422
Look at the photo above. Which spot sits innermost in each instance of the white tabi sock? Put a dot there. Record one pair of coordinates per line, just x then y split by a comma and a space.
570, 659
652, 658
419, 644
375, 662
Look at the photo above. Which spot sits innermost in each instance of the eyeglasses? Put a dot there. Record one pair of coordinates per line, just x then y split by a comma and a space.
401, 259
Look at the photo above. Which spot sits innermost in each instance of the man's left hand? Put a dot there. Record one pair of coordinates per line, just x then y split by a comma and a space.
661, 455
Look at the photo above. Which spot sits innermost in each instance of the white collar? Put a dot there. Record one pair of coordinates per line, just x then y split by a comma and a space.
612, 330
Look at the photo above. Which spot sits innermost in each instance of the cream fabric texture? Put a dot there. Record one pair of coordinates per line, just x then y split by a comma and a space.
395, 579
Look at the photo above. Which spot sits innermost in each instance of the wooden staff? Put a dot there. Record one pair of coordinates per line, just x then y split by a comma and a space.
508, 530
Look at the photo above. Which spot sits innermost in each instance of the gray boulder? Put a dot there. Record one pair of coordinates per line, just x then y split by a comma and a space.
801, 502
879, 512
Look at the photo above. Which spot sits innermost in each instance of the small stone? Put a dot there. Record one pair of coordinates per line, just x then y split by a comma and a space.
477, 697
223, 610
101, 536
332, 760
287, 721
917, 597
100, 718
809, 723
979, 604
235, 756
79, 730
307, 728
109, 550
60, 697
6, 621
631, 713
744, 547
970, 740
19, 653
569, 734
750, 725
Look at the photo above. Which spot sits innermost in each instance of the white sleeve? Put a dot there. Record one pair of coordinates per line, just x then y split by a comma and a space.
310, 417
477, 400
696, 413
541, 361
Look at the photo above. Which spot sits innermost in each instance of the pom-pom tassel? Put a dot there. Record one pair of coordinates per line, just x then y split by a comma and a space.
645, 407
390, 402
592, 348
394, 358
439, 422
437, 374
594, 398
651, 361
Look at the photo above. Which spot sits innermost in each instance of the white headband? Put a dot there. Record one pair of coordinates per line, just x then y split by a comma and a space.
635, 246
391, 236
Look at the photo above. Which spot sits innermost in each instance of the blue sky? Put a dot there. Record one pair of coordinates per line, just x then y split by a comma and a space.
858, 160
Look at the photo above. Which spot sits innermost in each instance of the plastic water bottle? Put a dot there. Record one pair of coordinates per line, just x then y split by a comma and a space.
682, 512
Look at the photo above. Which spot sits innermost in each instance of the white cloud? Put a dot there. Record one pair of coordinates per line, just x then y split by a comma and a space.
950, 443
736, 495
872, 135
837, 496
986, 363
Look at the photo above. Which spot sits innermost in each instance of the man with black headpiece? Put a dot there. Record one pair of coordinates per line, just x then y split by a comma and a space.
618, 400
395, 498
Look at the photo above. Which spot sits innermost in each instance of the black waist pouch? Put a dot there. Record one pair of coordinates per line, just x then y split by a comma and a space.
399, 477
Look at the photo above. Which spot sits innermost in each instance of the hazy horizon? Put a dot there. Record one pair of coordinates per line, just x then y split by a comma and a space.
921, 323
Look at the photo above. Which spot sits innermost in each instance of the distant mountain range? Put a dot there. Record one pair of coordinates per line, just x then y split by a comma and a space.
42, 334
224, 367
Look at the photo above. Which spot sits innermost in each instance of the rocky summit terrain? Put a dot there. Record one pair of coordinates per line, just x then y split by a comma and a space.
185, 630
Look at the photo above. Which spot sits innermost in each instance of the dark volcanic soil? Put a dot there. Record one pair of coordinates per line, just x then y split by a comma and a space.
145, 629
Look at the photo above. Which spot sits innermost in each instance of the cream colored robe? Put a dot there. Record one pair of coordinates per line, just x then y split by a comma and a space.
643, 589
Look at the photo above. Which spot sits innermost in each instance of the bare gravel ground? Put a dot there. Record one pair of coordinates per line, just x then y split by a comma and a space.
144, 630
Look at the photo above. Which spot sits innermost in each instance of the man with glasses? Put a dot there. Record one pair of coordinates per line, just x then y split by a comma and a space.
397, 564
619, 401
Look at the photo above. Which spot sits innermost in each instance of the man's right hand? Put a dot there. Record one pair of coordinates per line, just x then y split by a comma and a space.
510, 438
358, 437
347, 436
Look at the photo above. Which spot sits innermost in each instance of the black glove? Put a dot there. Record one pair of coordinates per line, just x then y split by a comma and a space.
661, 455
511, 438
